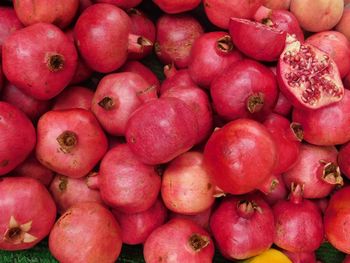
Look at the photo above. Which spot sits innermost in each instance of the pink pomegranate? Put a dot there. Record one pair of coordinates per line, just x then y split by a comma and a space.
326, 126
344, 159
201, 219
59, 13
343, 25
125, 4
180, 240
246, 89
307, 76
292, 218
277, 4
219, 12
283, 106
18, 137
242, 226
27, 214
70, 142
136, 227
231, 150
175, 78
117, 96
101, 240
175, 7
74, 97
161, 129
125, 183
45, 48
30, 106
175, 37
211, 54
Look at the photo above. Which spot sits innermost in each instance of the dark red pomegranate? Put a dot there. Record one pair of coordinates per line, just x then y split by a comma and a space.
27, 214
135, 228
101, 239
18, 137
45, 48
211, 54
70, 142
326, 126
175, 37
125, 183
344, 159
346, 259
74, 97
201, 219
307, 76
175, 78
298, 223
274, 189
231, 151
180, 240
117, 96
121, 3
161, 129
83, 4
246, 89
175, 7
242, 226
59, 13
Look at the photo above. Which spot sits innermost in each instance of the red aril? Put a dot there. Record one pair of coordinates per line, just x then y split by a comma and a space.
125, 4
40, 60
27, 213
74, 97
18, 137
175, 7
344, 159
307, 76
70, 142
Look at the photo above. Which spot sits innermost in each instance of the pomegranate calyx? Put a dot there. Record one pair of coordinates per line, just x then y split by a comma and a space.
169, 70
92, 181
18, 233
133, 11
67, 141
263, 15
62, 186
107, 103
246, 208
296, 193
55, 62
224, 45
198, 242
297, 131
218, 192
331, 173
138, 43
255, 102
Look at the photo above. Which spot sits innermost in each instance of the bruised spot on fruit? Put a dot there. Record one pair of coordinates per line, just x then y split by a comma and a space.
225, 44
62, 186
198, 242
107, 103
4, 163
55, 62
67, 141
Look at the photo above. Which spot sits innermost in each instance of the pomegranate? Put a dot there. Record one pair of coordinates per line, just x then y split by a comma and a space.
180, 240
59, 13
322, 203
83, 4
276, 190
287, 137
125, 183
246, 89
175, 78
135, 228
175, 7
231, 151
307, 76
70, 142
101, 239
316, 170
30, 106
242, 226
257, 40
219, 12
326, 126
74, 97
336, 220
277, 4
283, 106
201, 219
101, 30
186, 186
8, 23
346, 259
161, 129
298, 223
344, 159
45, 48
117, 96
302, 257
175, 37
211, 54
125, 4
18, 137
343, 25
27, 214
317, 16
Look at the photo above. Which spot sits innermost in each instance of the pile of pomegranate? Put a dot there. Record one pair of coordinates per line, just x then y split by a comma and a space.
241, 145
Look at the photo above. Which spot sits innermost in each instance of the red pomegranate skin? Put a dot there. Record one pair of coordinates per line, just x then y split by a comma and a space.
70, 142
18, 137
336, 45
277, 191
161, 129
343, 24
326, 126
246, 89
1, 78
29, 204
9, 23
125, 4
175, 78
209, 58
240, 156
344, 159
31, 107
283, 106
136, 227
179, 240
83, 4
99, 31
242, 232
117, 96
347, 259
125, 183
45, 48
175, 37
201, 219
74, 97
68, 191
175, 7
101, 239
59, 13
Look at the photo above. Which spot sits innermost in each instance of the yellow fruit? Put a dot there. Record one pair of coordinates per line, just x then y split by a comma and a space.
270, 256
